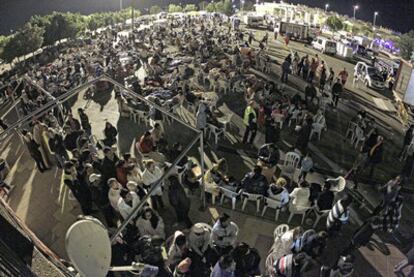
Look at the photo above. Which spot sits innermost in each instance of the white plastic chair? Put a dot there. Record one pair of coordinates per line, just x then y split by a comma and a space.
210, 189
272, 204
318, 214
229, 194
279, 119
225, 120
340, 184
280, 230
358, 137
351, 130
295, 116
215, 131
252, 197
298, 210
140, 116
316, 129
290, 164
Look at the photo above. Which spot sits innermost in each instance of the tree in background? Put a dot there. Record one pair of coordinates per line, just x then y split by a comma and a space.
248, 6
26, 40
3, 42
211, 7
366, 30
61, 26
202, 5
227, 7
174, 8
334, 23
155, 9
190, 8
406, 45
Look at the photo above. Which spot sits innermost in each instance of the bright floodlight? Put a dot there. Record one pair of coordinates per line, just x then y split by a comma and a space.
376, 13
356, 7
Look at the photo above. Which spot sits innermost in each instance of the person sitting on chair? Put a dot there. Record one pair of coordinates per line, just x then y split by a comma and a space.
269, 154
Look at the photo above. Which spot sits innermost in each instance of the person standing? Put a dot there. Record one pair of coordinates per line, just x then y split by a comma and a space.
224, 234
34, 151
285, 70
85, 121
247, 260
306, 166
250, 121
322, 80
338, 214
343, 75
305, 68
375, 154
179, 200
150, 177
79, 190
303, 136
331, 77
408, 138
336, 92
224, 267
310, 93
313, 67
57, 146
39, 131
110, 133
201, 116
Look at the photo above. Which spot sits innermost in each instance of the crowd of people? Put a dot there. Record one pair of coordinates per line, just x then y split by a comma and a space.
104, 181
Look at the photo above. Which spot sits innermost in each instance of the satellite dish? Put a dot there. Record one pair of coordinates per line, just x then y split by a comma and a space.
88, 247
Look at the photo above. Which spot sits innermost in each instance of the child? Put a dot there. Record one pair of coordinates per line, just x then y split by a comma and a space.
306, 166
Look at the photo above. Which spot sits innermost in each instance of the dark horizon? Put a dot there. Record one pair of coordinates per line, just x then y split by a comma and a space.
14, 13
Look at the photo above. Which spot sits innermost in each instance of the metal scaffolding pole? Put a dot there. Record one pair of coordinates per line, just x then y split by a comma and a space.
203, 191
131, 93
47, 93
48, 106
157, 184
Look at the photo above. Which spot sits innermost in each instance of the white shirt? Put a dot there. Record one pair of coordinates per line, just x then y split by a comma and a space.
149, 178
228, 235
124, 209
300, 197
113, 196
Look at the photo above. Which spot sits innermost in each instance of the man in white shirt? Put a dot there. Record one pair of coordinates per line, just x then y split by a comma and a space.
301, 195
224, 234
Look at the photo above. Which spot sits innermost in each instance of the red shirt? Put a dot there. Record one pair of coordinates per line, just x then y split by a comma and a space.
145, 145
121, 176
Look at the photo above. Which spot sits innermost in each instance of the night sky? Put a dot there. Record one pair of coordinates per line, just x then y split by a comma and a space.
397, 14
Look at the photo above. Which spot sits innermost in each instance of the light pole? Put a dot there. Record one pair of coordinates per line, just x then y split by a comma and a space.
375, 19
242, 6
356, 7
326, 8
120, 5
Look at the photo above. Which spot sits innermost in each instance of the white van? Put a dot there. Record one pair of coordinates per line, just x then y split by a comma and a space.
325, 45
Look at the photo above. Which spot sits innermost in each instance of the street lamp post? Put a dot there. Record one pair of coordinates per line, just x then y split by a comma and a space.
120, 4
326, 8
375, 19
242, 6
356, 7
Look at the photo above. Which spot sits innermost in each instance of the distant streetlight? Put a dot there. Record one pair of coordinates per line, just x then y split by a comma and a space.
326, 7
120, 4
356, 7
375, 19
242, 5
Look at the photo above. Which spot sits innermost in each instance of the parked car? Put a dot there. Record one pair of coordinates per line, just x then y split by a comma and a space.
369, 75
324, 45
363, 54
